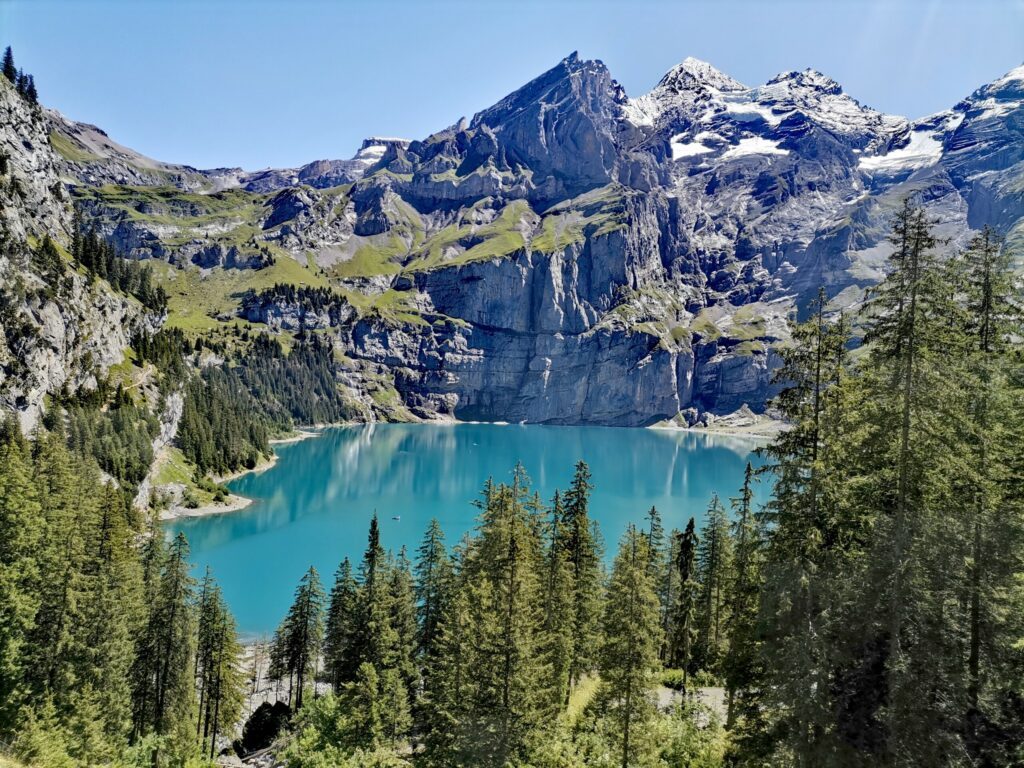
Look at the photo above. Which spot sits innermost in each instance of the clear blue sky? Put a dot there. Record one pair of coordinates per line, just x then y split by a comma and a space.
258, 84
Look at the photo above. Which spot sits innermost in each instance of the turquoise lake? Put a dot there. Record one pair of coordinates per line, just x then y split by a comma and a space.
314, 506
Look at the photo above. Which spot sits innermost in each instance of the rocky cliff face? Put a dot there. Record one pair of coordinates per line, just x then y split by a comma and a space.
572, 255
59, 331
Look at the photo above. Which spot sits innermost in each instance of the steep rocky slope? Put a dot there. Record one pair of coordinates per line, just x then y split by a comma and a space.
59, 330
571, 254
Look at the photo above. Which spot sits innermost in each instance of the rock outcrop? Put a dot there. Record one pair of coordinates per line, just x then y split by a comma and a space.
60, 331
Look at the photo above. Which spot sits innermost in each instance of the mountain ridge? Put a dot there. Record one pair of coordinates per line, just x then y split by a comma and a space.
495, 265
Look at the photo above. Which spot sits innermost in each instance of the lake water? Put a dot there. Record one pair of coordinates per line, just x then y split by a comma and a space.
314, 506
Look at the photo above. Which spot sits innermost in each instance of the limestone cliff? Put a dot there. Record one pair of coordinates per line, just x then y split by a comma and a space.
59, 330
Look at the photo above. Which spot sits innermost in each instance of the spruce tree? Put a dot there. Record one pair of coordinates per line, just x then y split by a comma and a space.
583, 551
112, 615
559, 611
628, 658
68, 506
714, 568
341, 628
914, 353
684, 613
994, 319
448, 671
9, 70
509, 697
374, 639
811, 534
433, 583
171, 623
220, 679
21, 530
297, 642
668, 589
402, 606
739, 665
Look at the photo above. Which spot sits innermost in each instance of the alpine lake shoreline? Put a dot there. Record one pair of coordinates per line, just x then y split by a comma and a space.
762, 429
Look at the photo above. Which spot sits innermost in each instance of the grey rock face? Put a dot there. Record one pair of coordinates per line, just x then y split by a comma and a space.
60, 333
573, 255
294, 315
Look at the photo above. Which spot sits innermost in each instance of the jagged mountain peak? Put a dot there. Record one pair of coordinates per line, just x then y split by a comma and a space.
1001, 97
690, 82
693, 73
808, 79
1011, 84
548, 87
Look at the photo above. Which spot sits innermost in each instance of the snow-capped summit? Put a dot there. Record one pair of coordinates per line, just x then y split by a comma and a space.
694, 74
688, 90
997, 99
695, 94
818, 98
810, 79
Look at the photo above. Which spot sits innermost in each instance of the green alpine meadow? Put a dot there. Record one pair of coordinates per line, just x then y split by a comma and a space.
610, 426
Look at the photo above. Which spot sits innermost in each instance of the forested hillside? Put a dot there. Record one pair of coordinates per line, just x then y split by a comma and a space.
871, 614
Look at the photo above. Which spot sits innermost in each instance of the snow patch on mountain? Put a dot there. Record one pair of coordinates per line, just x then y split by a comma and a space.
1014, 75
682, 149
754, 145
746, 111
642, 111
922, 150
992, 108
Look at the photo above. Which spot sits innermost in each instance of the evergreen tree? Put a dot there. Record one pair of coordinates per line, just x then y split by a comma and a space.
668, 589
811, 534
489, 686
297, 642
655, 543
508, 699
9, 70
584, 555
402, 605
61, 489
991, 488
433, 584
374, 640
714, 567
172, 626
559, 611
913, 409
112, 614
219, 677
684, 614
628, 658
341, 627
21, 530
740, 663
448, 671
